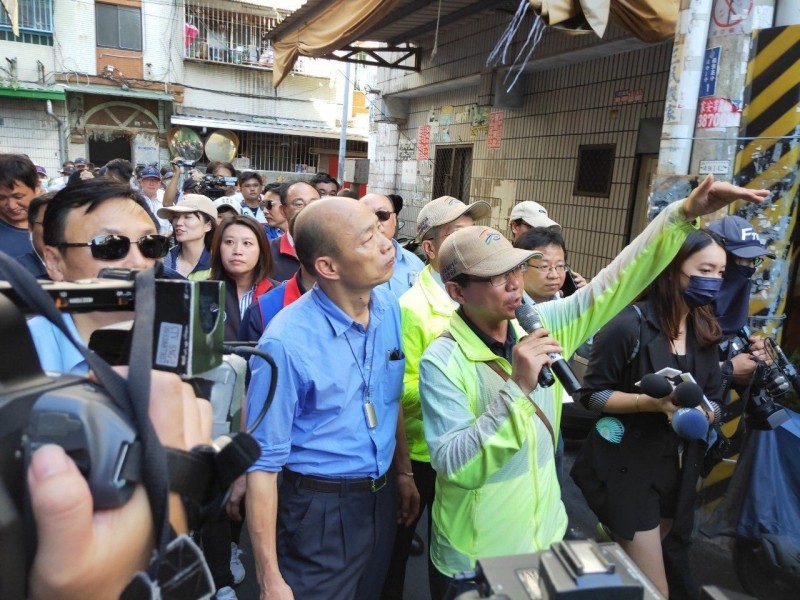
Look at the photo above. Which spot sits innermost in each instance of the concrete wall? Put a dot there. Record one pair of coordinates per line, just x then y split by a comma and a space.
27, 129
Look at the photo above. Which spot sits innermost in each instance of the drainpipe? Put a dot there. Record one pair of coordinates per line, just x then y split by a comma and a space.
62, 152
345, 114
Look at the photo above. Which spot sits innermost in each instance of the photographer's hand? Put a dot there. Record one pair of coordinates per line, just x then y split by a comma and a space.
83, 553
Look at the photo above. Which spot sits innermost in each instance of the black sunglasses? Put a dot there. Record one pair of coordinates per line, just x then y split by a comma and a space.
383, 215
116, 247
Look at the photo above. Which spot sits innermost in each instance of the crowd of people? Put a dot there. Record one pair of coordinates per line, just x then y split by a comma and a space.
406, 383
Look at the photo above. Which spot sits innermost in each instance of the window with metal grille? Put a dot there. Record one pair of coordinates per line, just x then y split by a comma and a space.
118, 26
35, 23
452, 172
276, 152
595, 169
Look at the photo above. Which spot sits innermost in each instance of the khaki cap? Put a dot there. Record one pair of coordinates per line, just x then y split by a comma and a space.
534, 214
189, 204
480, 251
446, 209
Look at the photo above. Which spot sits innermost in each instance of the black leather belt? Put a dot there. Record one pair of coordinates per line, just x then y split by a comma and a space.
337, 485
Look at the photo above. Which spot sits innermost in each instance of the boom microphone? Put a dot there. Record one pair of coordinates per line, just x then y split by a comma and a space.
529, 320
655, 385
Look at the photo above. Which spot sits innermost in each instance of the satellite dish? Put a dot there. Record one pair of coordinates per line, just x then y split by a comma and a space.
184, 142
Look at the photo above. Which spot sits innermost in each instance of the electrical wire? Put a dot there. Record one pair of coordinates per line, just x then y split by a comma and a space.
248, 350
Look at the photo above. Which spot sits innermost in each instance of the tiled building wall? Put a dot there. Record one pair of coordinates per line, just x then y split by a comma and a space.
563, 108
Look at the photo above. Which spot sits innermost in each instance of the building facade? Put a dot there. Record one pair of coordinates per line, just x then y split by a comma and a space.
111, 79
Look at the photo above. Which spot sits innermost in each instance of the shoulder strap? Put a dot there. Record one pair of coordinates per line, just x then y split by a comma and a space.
505, 376
638, 342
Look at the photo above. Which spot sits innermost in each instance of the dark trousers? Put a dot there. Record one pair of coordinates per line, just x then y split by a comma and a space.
425, 480
448, 588
216, 540
335, 545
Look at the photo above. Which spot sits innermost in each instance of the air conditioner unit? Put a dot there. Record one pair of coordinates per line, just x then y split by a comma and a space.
390, 110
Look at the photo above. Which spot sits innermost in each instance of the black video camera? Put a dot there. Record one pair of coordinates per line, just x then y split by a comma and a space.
213, 186
770, 381
92, 425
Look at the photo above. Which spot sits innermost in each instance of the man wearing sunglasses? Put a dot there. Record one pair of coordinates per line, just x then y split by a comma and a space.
88, 227
277, 224
406, 265
294, 197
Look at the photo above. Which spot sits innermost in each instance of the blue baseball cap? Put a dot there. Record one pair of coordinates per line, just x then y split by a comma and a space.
150, 173
741, 239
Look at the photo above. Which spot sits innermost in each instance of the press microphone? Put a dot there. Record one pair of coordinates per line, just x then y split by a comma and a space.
655, 385
690, 423
688, 395
529, 320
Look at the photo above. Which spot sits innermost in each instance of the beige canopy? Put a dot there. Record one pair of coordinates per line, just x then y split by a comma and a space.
12, 8
321, 27
341, 22
648, 20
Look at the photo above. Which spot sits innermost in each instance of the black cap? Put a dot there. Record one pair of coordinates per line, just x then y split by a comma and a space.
740, 237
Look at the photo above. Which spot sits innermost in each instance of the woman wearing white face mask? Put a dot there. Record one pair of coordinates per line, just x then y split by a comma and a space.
637, 474
194, 219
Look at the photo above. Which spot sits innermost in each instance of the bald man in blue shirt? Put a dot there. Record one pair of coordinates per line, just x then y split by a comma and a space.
327, 530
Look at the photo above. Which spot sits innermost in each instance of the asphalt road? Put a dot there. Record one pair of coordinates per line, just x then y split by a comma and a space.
711, 558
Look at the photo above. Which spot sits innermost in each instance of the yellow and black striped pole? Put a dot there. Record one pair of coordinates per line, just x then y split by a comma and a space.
768, 156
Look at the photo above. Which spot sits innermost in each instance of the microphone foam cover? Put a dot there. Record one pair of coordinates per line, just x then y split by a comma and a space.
690, 423
688, 394
656, 386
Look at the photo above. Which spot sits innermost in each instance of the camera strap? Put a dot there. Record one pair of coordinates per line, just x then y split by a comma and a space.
132, 399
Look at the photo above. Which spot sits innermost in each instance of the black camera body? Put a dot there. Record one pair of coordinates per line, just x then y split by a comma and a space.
770, 381
214, 187
79, 415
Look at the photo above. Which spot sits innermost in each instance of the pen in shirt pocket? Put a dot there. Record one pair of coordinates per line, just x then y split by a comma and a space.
395, 354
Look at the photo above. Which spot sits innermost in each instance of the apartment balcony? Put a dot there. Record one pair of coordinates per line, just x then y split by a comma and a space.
215, 34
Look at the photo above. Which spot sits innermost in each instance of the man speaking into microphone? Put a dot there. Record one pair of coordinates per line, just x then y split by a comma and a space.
487, 419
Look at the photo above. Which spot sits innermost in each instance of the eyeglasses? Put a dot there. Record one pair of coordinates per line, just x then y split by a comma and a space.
501, 280
268, 204
562, 268
383, 215
116, 247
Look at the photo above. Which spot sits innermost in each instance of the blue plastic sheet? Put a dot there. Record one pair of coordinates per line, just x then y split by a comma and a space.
771, 500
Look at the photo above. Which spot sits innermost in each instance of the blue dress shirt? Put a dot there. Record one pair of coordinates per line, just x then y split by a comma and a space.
316, 424
407, 267
272, 232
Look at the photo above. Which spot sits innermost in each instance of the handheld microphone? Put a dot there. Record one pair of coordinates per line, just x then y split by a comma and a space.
655, 385
529, 320
690, 423
688, 395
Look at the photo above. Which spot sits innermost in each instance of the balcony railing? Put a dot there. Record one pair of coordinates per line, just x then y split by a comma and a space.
215, 34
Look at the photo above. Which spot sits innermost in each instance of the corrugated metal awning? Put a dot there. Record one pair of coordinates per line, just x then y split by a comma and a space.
112, 90
33, 91
268, 125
